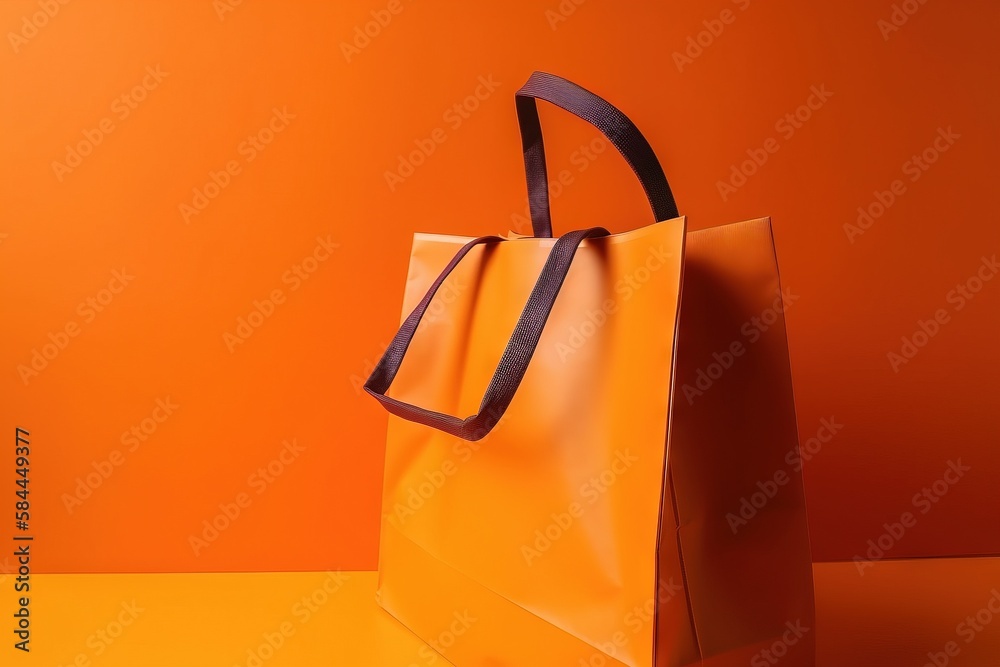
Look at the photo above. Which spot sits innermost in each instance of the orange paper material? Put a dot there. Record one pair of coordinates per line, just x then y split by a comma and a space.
559, 528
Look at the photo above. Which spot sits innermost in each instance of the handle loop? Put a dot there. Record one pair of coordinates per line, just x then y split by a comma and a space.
612, 123
516, 356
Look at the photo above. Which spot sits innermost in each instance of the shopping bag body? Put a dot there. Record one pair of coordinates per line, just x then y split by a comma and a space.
592, 453
588, 527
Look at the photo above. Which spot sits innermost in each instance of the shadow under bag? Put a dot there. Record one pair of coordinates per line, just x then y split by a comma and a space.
592, 455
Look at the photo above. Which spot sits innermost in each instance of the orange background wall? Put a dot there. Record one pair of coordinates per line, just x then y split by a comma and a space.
338, 120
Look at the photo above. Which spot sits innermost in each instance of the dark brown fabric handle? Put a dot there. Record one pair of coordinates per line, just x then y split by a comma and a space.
516, 356
612, 123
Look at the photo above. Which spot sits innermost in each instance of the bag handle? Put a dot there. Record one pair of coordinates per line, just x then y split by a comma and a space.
516, 356
612, 123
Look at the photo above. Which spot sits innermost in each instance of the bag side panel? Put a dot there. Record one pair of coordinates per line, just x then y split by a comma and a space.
733, 451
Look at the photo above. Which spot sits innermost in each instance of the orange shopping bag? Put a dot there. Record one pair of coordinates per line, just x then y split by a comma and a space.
592, 455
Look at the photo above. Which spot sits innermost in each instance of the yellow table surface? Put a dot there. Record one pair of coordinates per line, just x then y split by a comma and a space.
894, 615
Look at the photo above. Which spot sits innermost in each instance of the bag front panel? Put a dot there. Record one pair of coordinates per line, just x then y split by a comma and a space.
557, 509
